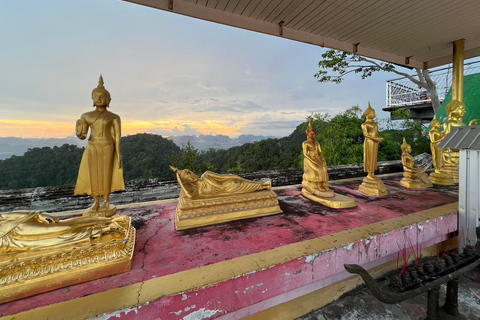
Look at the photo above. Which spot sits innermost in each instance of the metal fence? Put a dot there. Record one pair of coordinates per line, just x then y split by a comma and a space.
402, 92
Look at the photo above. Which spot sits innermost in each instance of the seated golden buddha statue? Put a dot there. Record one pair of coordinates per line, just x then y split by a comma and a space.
39, 252
451, 157
315, 175
215, 198
413, 176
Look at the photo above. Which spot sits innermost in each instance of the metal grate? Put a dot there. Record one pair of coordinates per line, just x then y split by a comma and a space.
402, 92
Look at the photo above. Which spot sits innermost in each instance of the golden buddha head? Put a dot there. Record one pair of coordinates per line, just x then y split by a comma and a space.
311, 133
435, 123
370, 112
185, 175
406, 148
456, 109
100, 95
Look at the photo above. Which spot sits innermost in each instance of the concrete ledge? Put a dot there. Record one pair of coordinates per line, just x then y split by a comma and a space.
252, 267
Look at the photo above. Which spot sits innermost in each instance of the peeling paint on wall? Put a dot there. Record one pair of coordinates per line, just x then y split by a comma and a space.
201, 314
350, 247
116, 314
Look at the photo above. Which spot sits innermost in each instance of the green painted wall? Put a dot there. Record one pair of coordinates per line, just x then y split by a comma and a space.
471, 98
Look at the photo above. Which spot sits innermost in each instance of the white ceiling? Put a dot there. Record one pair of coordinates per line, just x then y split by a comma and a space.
415, 33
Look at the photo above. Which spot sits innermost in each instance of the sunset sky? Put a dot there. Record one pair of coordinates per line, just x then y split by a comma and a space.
166, 73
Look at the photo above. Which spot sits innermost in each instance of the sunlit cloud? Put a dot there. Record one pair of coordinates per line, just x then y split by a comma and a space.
35, 129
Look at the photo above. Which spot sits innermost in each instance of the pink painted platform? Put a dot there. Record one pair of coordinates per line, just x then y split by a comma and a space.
237, 269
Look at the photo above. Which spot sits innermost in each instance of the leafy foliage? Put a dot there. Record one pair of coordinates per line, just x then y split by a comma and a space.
147, 156
340, 137
41, 167
190, 159
344, 63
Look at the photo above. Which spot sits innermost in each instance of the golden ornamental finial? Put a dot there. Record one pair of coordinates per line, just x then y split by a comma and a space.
310, 127
369, 109
405, 145
435, 122
100, 83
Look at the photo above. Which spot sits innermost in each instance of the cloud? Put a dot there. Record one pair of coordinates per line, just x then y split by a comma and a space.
187, 131
226, 106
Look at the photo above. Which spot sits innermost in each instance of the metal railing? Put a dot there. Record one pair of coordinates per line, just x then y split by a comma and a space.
402, 92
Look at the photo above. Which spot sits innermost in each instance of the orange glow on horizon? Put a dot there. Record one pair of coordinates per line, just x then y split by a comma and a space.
52, 129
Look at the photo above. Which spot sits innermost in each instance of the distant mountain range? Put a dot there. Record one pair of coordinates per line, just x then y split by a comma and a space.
218, 141
10, 146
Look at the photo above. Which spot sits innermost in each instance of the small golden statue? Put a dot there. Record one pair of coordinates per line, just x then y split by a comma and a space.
39, 252
371, 184
413, 176
216, 198
100, 171
315, 175
436, 136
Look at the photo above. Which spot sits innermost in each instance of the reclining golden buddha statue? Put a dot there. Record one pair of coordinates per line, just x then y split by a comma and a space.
39, 252
216, 198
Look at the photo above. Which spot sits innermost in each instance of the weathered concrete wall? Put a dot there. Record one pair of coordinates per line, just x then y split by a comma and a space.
55, 199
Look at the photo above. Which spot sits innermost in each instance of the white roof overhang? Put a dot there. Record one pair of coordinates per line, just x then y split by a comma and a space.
406, 32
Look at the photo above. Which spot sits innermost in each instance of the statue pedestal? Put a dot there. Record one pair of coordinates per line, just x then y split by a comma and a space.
441, 178
416, 183
110, 212
338, 201
373, 187
452, 171
27, 273
193, 213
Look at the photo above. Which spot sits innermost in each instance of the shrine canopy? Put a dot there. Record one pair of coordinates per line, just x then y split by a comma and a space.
416, 34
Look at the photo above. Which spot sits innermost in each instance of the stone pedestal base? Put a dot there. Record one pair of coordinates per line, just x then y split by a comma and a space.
415, 183
203, 212
338, 201
373, 187
451, 171
441, 179
24, 274
110, 212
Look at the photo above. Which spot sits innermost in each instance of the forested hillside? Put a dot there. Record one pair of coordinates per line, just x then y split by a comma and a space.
148, 156
144, 156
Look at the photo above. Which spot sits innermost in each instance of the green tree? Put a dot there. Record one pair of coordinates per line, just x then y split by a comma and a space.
343, 63
147, 156
341, 136
190, 159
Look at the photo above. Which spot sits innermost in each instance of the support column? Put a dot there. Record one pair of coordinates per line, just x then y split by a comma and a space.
433, 304
451, 300
458, 61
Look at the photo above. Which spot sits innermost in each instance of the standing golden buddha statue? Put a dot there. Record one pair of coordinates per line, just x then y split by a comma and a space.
413, 176
371, 184
315, 175
436, 136
100, 171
